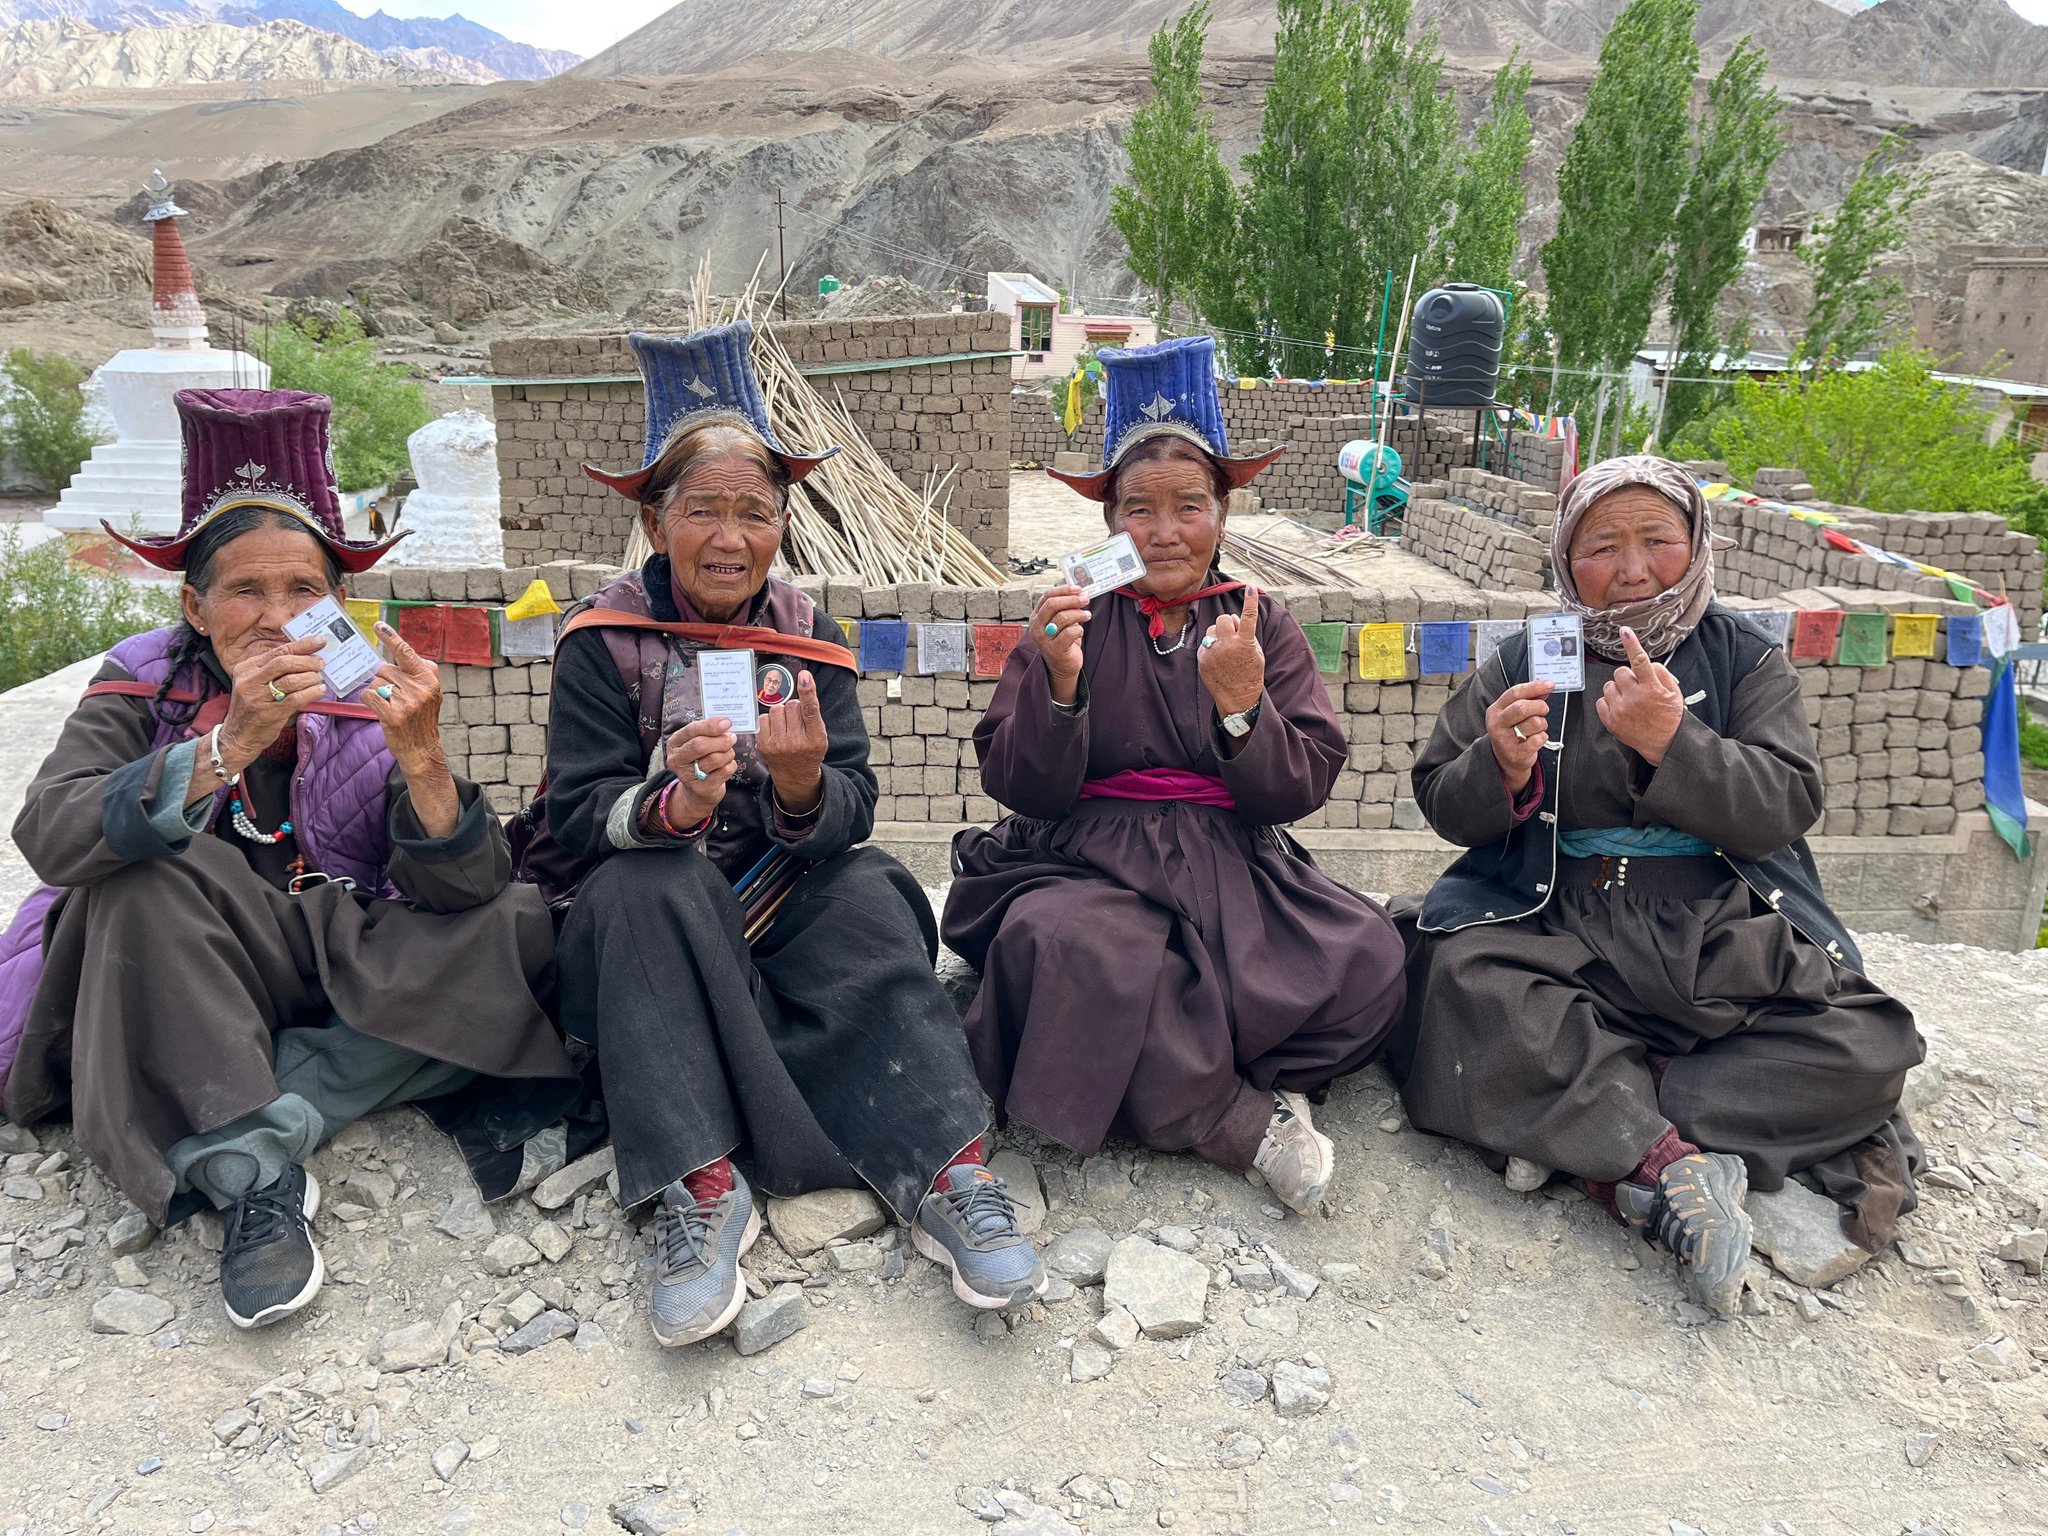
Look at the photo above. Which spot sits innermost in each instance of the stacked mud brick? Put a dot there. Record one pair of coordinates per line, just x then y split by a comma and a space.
1486, 528
924, 420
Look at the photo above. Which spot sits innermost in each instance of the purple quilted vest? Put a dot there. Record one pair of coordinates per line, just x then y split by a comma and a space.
338, 808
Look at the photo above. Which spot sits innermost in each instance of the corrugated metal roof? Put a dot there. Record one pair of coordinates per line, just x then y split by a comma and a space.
1029, 288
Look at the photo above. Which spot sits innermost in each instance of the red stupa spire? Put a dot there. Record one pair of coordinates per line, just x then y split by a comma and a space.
174, 312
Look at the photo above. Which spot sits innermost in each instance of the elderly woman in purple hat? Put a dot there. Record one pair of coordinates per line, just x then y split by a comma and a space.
1632, 975
1159, 959
759, 986
268, 912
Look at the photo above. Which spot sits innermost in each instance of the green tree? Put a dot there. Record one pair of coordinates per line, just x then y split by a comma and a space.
54, 611
42, 416
1893, 438
1853, 304
377, 406
1736, 142
1618, 192
1177, 190
1491, 197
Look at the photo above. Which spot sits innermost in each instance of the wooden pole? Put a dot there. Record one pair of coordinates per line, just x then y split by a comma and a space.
1400, 338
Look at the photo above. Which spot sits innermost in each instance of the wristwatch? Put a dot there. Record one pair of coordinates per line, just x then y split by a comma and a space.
1240, 725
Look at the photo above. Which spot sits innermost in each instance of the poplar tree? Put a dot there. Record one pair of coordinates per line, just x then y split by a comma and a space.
1736, 142
1853, 304
1178, 192
1618, 193
1491, 198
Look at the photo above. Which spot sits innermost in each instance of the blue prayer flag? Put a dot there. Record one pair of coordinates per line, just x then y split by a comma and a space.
1443, 647
1965, 639
2005, 798
883, 643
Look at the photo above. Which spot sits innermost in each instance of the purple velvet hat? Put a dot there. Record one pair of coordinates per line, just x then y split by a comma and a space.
256, 448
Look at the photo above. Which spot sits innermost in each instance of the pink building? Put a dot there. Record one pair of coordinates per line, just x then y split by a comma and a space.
1051, 337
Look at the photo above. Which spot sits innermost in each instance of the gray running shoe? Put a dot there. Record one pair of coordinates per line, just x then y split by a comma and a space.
969, 1224
697, 1248
1696, 1211
1295, 1160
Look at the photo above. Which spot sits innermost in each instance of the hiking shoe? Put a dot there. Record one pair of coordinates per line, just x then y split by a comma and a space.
1696, 1212
269, 1267
969, 1224
697, 1248
1295, 1160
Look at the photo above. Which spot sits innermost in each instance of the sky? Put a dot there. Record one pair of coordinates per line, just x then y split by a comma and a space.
589, 26
581, 26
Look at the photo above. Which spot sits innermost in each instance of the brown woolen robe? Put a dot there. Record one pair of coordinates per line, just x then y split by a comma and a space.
164, 978
1156, 969
1575, 1036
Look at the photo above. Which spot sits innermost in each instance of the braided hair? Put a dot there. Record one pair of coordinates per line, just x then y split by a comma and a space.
188, 646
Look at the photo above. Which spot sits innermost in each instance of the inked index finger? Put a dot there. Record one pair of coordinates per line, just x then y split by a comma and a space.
1251, 609
1638, 659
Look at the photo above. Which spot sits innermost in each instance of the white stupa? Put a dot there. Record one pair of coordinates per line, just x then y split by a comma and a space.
453, 516
132, 482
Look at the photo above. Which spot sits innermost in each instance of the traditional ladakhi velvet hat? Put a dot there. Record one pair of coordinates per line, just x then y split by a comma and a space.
1167, 389
706, 376
255, 448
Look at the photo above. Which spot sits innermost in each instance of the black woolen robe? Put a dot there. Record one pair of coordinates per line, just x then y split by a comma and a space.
1156, 968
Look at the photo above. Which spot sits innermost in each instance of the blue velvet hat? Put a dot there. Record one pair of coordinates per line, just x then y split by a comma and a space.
1165, 390
704, 377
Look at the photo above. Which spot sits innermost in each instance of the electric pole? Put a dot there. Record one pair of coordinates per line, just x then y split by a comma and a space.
781, 258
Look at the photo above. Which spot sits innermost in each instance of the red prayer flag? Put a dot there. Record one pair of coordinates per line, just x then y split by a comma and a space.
1841, 541
992, 646
425, 629
468, 636
1814, 633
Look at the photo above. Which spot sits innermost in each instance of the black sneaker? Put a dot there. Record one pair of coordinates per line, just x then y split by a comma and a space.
1696, 1212
269, 1267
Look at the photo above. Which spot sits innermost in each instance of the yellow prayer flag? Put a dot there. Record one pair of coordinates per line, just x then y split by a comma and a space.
1913, 634
533, 602
1071, 417
1245, 383
847, 626
1715, 491
364, 615
1382, 652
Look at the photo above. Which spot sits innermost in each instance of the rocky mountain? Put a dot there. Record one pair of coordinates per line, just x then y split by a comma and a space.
473, 52
38, 57
1900, 42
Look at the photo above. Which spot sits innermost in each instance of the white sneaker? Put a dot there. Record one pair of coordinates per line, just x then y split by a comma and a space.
1295, 1161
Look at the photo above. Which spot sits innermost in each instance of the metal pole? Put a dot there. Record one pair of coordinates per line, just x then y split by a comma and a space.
782, 293
1379, 342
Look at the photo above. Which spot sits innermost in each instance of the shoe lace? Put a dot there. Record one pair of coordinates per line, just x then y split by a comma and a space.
986, 1207
684, 1237
258, 1217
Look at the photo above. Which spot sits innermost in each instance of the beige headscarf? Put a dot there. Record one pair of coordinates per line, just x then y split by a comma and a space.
1662, 622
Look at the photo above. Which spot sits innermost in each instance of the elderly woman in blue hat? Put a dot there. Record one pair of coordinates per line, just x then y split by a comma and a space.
758, 985
1159, 959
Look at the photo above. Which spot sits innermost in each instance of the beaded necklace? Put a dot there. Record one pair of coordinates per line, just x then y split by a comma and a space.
239, 816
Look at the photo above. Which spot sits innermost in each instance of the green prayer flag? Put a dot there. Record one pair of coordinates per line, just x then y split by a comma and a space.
1964, 592
1327, 641
1863, 637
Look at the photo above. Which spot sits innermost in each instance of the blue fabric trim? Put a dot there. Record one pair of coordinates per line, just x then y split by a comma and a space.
140, 825
1632, 843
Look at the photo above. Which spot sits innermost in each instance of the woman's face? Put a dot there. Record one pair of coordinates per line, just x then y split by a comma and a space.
1169, 508
258, 581
720, 527
1631, 544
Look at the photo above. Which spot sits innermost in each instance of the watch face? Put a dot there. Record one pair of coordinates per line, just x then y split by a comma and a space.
1237, 725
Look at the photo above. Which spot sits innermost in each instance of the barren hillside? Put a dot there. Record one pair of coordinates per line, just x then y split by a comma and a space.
40, 57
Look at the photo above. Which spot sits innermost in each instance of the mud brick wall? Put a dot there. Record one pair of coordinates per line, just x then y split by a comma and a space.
923, 421
1484, 551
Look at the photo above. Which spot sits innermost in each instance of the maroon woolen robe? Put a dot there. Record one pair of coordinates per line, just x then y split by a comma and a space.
1156, 968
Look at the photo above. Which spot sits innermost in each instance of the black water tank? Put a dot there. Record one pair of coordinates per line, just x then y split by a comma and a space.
1454, 343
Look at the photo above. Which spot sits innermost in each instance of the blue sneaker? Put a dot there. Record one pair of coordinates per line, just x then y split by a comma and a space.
969, 1224
697, 1246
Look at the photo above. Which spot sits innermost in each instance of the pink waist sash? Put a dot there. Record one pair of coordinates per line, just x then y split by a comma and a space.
1161, 784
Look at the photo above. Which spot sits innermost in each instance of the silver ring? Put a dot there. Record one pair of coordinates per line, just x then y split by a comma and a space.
698, 769
1518, 733
384, 690
1207, 641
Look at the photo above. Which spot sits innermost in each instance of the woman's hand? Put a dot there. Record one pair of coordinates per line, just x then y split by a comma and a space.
1057, 625
271, 688
1232, 664
405, 696
1517, 726
1642, 704
702, 757
791, 745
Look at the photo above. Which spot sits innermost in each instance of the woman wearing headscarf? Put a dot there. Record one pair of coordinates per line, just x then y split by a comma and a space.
1159, 959
1633, 976
269, 912
759, 986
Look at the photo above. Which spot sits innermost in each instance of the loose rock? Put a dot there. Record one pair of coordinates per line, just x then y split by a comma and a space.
1166, 1292
131, 1312
448, 1460
130, 1233
418, 1346
1801, 1233
1299, 1390
510, 1254
1116, 1329
543, 1330
553, 1243
655, 1514
1016, 1170
1080, 1255
330, 1471
1919, 1448
465, 1219
770, 1320
1089, 1362
565, 1184
2026, 1249
1239, 1450
807, 1223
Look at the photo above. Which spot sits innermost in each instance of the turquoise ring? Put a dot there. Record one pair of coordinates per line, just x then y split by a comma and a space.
383, 690
1051, 630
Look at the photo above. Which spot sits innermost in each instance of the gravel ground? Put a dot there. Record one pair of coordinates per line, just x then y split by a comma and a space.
1469, 1359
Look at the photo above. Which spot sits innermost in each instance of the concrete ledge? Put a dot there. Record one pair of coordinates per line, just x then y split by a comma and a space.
1959, 887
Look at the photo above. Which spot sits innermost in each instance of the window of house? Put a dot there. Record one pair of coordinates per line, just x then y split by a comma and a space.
1035, 327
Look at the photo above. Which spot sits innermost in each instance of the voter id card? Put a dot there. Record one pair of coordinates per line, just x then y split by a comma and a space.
727, 680
1103, 567
1557, 651
347, 660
